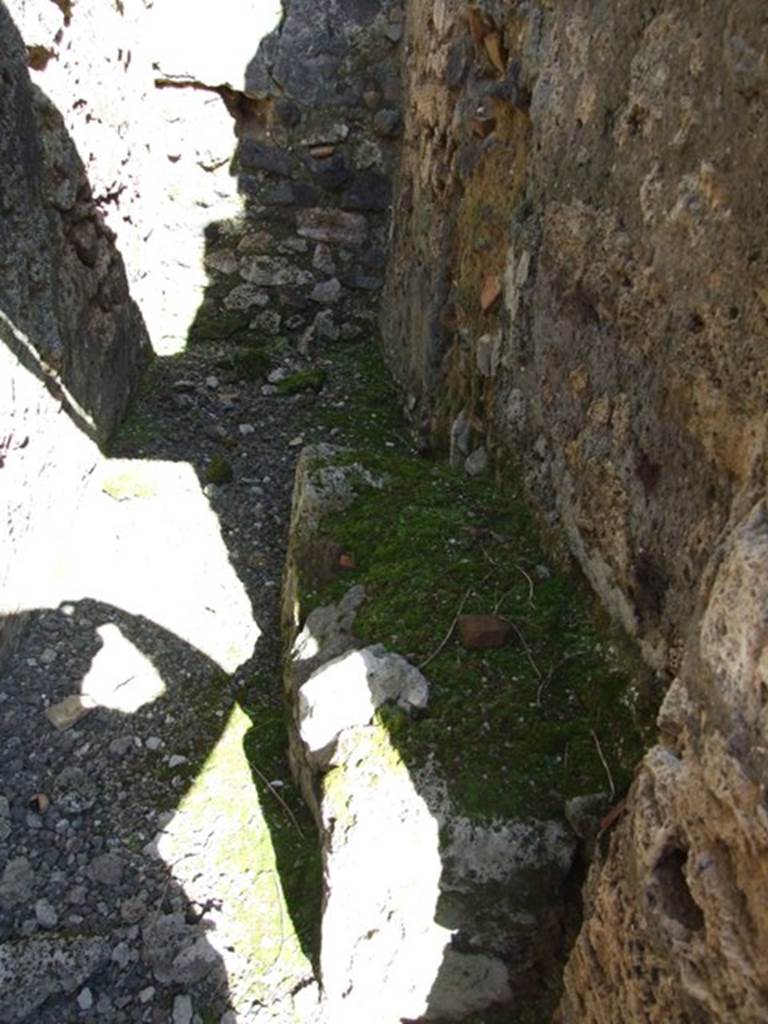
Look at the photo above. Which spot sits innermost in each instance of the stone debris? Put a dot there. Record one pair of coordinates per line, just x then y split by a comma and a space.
347, 691
46, 915
182, 1010
17, 882
35, 969
69, 711
477, 463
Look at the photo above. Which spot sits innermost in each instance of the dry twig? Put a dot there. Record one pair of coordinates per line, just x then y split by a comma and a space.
522, 571
451, 628
279, 799
601, 755
528, 653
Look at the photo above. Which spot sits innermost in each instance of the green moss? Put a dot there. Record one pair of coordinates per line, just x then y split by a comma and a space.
134, 433
304, 380
261, 840
369, 413
513, 729
247, 362
291, 828
218, 471
212, 323
129, 482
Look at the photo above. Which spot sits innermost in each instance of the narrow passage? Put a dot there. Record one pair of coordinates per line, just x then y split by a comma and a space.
150, 842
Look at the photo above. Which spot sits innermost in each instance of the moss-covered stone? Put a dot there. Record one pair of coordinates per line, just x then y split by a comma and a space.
304, 380
515, 730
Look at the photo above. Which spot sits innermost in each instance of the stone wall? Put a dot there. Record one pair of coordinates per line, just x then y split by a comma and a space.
317, 137
213, 141
72, 342
158, 158
578, 286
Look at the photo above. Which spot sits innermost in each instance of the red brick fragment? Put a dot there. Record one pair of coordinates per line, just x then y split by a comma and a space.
481, 632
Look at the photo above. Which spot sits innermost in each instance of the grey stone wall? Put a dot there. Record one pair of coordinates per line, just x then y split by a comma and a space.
317, 139
72, 342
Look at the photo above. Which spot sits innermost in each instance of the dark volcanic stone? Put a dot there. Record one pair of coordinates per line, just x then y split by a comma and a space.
255, 155
330, 173
369, 191
387, 123
288, 112
360, 280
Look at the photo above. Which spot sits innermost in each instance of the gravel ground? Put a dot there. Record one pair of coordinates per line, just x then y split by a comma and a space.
139, 845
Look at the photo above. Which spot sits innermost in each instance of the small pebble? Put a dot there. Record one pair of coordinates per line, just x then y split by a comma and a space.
182, 1010
85, 999
121, 954
46, 914
121, 745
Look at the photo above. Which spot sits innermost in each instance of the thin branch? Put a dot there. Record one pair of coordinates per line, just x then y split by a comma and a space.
451, 628
279, 799
501, 600
601, 755
449, 634
545, 682
527, 650
506, 593
521, 570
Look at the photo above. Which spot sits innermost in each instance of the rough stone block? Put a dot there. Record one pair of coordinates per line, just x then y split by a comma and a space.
333, 226
257, 156
369, 190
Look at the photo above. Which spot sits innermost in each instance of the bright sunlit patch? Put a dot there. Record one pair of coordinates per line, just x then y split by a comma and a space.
218, 841
136, 534
120, 676
197, 40
152, 545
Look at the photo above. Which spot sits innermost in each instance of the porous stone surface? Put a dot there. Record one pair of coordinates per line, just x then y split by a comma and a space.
677, 926
599, 163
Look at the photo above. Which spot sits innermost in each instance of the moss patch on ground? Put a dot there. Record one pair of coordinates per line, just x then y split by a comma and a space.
518, 730
304, 380
365, 409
